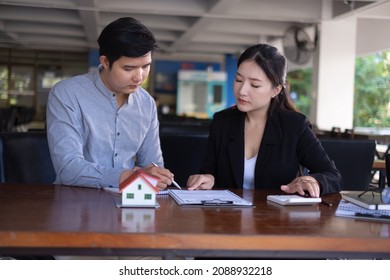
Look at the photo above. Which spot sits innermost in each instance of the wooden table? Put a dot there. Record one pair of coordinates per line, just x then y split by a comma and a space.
54, 220
380, 165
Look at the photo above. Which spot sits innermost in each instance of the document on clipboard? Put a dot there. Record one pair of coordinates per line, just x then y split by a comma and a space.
220, 198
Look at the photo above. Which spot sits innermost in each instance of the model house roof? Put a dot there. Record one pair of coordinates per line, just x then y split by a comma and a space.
136, 174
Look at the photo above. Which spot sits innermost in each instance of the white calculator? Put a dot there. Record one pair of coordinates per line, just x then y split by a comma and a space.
292, 199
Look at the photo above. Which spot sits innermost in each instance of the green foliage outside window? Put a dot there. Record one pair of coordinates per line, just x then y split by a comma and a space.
372, 91
300, 82
371, 95
3, 84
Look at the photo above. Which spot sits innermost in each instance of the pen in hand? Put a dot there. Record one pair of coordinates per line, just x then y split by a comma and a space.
173, 181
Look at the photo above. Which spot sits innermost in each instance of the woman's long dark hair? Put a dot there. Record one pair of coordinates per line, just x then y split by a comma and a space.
274, 65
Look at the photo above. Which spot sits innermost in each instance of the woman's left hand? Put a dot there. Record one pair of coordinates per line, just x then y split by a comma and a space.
302, 184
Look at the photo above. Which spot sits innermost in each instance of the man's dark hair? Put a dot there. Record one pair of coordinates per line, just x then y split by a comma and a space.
125, 37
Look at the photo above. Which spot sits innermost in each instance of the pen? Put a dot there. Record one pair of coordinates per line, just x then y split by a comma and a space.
173, 181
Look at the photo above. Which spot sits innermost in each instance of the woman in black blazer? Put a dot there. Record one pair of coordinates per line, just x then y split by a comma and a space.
263, 142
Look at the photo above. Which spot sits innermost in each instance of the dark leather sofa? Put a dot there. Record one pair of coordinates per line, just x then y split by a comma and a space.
183, 154
354, 159
25, 156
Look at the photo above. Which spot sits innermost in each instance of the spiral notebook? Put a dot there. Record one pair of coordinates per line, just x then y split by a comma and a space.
350, 210
368, 200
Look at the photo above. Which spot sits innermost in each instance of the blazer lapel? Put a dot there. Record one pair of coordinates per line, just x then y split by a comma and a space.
271, 138
235, 148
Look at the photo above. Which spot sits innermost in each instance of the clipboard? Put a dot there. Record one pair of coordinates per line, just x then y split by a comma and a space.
208, 198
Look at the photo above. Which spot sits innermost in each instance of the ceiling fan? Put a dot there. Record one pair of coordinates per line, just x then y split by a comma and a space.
299, 42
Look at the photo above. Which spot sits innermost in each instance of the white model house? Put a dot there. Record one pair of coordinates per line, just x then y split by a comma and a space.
139, 189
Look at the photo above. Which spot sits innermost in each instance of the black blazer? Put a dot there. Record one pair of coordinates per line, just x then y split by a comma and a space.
288, 143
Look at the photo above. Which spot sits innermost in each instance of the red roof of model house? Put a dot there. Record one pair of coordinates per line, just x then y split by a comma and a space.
135, 175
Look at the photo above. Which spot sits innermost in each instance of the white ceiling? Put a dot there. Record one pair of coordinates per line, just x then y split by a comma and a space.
180, 26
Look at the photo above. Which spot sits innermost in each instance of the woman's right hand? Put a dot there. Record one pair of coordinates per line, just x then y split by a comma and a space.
200, 182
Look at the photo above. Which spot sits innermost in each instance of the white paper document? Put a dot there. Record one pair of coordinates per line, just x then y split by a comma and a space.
208, 198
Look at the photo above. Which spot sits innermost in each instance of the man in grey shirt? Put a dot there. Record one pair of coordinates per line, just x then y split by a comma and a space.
103, 125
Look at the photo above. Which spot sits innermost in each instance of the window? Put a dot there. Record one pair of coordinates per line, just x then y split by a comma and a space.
26, 76
130, 196
3, 84
148, 196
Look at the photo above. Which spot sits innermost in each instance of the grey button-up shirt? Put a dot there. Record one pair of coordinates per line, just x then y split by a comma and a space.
91, 140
